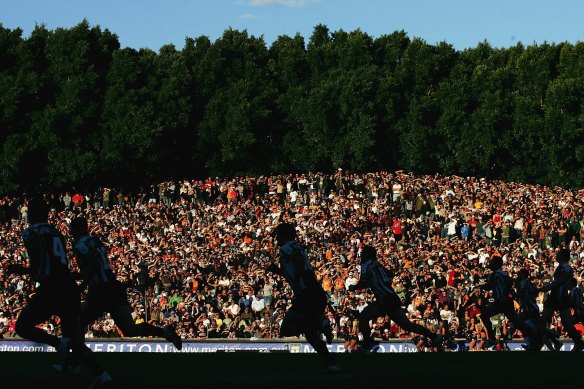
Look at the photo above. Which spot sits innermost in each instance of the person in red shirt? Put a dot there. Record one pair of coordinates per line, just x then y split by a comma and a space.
396, 227
452, 274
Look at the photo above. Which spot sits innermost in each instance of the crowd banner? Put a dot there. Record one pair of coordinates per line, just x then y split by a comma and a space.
298, 347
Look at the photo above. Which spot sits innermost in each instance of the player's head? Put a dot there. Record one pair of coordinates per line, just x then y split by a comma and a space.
368, 253
284, 233
563, 255
38, 210
523, 274
495, 263
78, 227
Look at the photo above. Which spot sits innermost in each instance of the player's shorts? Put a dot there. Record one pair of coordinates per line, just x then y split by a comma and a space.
391, 303
313, 302
61, 298
555, 305
311, 306
108, 296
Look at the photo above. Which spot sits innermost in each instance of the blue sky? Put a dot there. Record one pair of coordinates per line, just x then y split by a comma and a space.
463, 23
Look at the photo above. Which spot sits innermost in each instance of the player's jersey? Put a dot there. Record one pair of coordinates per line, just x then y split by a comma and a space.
296, 268
526, 293
46, 250
560, 287
577, 302
91, 256
376, 277
500, 283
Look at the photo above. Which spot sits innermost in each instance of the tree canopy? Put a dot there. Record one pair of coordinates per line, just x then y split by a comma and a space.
76, 109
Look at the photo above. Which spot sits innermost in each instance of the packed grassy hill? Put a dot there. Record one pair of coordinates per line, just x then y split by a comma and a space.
76, 109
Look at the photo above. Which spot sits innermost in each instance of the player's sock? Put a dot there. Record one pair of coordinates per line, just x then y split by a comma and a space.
37, 335
320, 347
437, 340
333, 369
100, 379
171, 335
327, 330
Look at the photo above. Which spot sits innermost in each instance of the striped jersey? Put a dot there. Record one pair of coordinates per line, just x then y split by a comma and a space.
376, 277
577, 302
560, 287
296, 267
526, 293
500, 283
46, 251
91, 256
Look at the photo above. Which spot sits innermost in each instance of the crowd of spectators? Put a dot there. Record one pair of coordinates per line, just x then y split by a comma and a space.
194, 253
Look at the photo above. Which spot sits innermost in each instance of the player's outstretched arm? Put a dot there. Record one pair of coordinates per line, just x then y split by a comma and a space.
15, 268
273, 268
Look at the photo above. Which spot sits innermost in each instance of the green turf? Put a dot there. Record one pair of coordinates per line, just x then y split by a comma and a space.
252, 370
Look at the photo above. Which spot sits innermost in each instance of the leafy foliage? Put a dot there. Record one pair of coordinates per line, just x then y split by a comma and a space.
78, 110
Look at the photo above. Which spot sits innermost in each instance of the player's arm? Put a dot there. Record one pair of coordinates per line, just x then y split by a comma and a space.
558, 281
273, 268
363, 283
547, 288
16, 268
35, 250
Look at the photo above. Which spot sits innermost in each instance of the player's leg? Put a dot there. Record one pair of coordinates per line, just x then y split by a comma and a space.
400, 318
292, 323
568, 323
90, 312
37, 311
313, 310
485, 317
71, 329
544, 324
370, 312
122, 315
69, 310
326, 329
529, 331
314, 339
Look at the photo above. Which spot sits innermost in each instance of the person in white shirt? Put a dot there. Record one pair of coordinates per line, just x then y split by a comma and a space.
257, 304
234, 308
396, 190
446, 313
351, 280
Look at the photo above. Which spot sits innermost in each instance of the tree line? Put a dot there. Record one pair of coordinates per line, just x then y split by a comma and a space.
76, 109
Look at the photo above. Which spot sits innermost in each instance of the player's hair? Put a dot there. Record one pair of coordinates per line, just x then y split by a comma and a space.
522, 274
38, 210
368, 252
563, 255
78, 226
496, 262
285, 232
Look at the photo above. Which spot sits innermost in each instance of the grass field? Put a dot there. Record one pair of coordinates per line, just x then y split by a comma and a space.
253, 370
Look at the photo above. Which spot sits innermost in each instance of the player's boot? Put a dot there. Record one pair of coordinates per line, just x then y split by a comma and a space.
437, 342
333, 369
536, 343
63, 349
67, 369
327, 331
578, 347
100, 379
171, 335
557, 344
491, 344
367, 347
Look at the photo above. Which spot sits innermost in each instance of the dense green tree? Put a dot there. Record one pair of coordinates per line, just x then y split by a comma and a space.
78, 110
